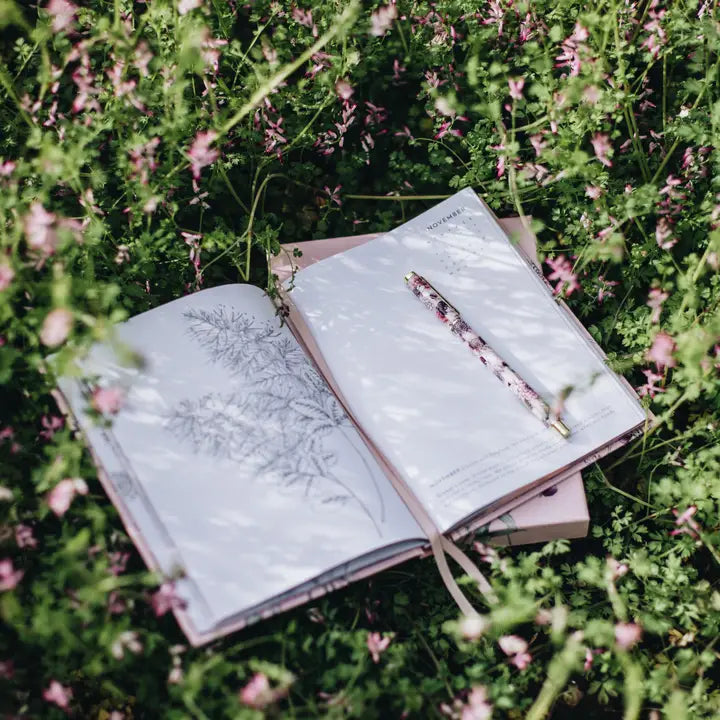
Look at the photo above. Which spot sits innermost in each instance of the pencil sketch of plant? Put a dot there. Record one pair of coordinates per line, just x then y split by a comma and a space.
283, 424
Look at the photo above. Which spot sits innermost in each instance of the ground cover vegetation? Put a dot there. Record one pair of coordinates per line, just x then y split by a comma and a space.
149, 149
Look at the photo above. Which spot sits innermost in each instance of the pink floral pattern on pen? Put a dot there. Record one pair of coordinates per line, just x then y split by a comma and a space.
435, 302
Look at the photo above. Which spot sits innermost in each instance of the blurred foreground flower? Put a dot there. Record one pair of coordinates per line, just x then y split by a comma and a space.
61, 496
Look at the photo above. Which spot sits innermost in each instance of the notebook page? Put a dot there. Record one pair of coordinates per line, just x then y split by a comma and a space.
456, 435
234, 458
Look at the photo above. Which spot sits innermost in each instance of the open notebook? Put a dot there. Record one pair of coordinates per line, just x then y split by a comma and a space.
237, 468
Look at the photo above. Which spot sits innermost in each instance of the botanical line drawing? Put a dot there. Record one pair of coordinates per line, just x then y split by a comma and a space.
279, 426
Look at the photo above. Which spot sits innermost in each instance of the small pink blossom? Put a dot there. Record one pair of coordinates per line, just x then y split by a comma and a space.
650, 388
166, 599
7, 168
62, 13
127, 640
344, 89
627, 635
593, 191
686, 524
39, 227
661, 351
305, 18
58, 694
656, 298
516, 649
61, 496
539, 144
516, 87
663, 234
601, 146
24, 536
108, 401
473, 626
9, 577
116, 605
56, 327
382, 19
590, 657
258, 693
377, 644
477, 706
604, 288
334, 195
6, 276
51, 425
563, 273
176, 674
185, 6
201, 154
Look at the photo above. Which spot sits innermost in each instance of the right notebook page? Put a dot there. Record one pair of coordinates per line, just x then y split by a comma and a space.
456, 434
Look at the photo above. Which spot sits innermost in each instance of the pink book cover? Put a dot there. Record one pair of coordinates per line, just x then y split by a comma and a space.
559, 511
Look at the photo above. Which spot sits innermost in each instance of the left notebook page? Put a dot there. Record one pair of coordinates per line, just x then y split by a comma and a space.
235, 462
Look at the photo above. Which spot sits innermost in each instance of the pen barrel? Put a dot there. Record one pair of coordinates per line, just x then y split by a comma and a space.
435, 302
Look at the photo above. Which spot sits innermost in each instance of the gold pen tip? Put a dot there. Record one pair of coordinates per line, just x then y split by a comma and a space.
409, 275
561, 427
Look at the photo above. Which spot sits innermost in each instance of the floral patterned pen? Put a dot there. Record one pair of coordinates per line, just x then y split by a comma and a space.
434, 301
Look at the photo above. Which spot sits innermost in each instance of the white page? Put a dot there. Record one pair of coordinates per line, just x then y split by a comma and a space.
255, 478
452, 430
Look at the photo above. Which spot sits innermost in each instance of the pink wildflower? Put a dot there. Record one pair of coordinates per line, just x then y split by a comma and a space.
176, 675
377, 644
56, 327
201, 154
627, 635
58, 694
50, 426
305, 18
663, 234
473, 626
538, 143
650, 388
604, 288
61, 496
661, 351
107, 401
258, 693
516, 87
344, 89
334, 195
477, 706
567, 280
686, 524
165, 599
24, 536
9, 577
185, 6
573, 48
601, 146
590, 657
127, 640
516, 649
656, 298
39, 229
6, 276
593, 191
62, 13
7, 168
382, 19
